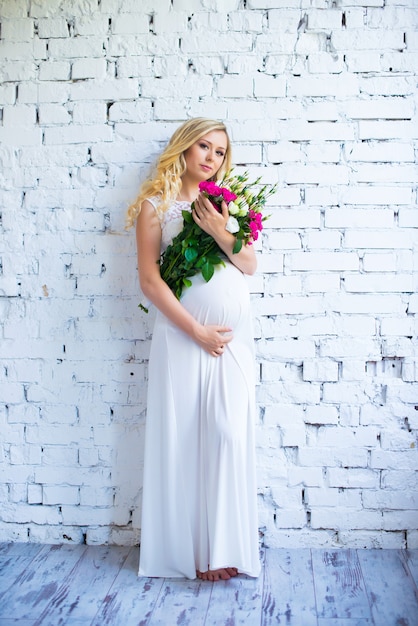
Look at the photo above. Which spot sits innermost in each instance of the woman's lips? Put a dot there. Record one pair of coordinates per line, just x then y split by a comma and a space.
206, 168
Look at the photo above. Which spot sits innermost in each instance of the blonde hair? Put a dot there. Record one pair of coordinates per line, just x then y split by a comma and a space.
171, 165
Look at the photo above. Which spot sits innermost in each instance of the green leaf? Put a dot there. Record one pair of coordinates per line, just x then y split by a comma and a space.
190, 254
237, 246
187, 282
214, 259
187, 216
207, 271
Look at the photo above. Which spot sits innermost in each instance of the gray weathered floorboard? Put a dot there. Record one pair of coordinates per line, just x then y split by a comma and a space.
81, 595
411, 559
131, 600
289, 596
20, 549
10, 621
33, 590
75, 585
14, 559
339, 586
392, 594
237, 601
338, 621
184, 602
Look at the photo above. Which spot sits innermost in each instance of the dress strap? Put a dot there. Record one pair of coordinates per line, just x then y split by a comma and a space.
155, 201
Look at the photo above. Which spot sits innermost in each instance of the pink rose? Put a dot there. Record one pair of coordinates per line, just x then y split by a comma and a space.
228, 196
209, 187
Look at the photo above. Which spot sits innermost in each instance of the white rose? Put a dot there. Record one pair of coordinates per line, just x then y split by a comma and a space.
233, 208
243, 209
232, 225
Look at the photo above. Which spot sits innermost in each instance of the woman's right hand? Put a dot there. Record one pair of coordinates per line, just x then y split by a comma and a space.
213, 338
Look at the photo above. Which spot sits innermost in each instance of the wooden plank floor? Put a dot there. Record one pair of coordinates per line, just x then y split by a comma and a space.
98, 586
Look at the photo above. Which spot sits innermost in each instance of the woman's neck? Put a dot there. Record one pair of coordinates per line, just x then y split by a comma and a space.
189, 190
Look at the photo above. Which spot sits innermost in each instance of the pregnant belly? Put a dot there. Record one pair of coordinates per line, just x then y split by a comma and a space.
223, 300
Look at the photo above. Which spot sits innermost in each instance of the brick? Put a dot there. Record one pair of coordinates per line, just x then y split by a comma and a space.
91, 25
16, 71
18, 29
34, 494
321, 415
410, 369
397, 61
139, 66
269, 86
387, 130
78, 134
18, 8
322, 111
358, 62
380, 173
246, 21
62, 494
54, 70
53, 114
49, 28
380, 283
322, 370
96, 497
235, 86
331, 85
25, 513
308, 261
25, 454
126, 88
403, 480
372, 539
388, 86
408, 218
387, 108
88, 68
130, 23
283, 284
394, 460
365, 218
217, 43
169, 22
317, 174
393, 520
321, 130
382, 152
412, 539
325, 63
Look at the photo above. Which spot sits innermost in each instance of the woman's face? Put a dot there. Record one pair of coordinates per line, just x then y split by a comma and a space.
206, 155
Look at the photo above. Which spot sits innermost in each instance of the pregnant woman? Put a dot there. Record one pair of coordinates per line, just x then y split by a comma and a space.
199, 504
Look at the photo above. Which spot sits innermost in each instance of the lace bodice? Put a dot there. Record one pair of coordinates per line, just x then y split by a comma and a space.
171, 220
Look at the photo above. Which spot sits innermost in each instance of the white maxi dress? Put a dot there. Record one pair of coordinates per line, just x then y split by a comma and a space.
199, 505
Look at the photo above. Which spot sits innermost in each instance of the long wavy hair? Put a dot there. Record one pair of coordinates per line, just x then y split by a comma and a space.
165, 182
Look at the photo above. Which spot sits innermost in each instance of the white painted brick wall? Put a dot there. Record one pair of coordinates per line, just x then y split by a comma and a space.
319, 97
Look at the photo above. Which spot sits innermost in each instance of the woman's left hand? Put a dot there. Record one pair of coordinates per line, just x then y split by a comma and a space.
208, 218
213, 223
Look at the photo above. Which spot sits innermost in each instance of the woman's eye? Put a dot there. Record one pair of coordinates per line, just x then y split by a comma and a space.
203, 145
219, 153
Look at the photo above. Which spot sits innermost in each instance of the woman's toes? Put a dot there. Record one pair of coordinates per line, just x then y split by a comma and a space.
232, 571
213, 575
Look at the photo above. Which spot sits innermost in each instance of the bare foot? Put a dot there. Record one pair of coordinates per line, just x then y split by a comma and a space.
214, 575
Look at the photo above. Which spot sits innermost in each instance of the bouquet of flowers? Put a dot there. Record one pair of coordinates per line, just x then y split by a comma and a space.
193, 251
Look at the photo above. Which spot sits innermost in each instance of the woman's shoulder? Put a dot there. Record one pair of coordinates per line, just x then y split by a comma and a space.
167, 211
155, 201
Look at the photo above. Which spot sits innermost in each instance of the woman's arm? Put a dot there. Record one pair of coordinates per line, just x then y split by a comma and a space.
213, 223
148, 236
